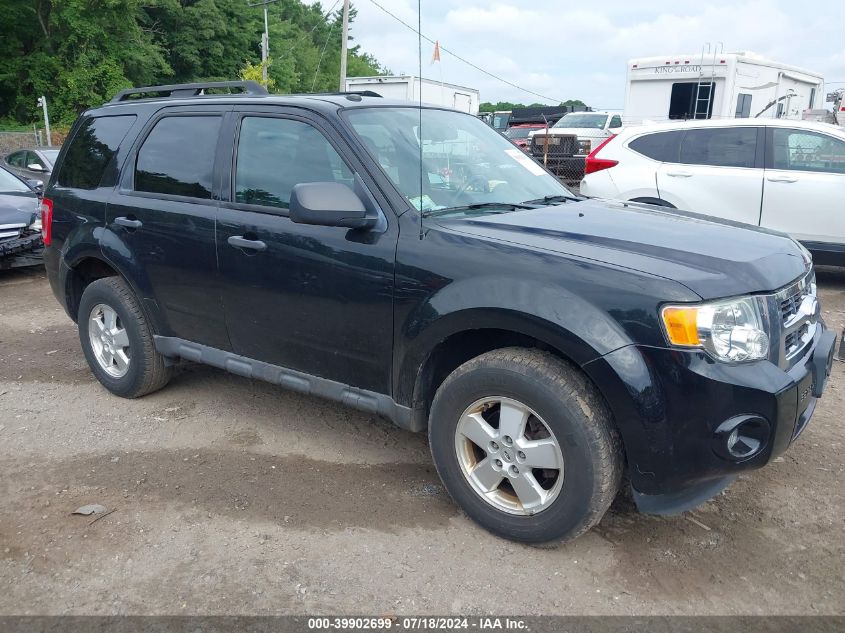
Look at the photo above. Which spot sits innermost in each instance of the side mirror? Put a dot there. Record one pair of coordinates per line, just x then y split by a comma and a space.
328, 204
36, 185
35, 167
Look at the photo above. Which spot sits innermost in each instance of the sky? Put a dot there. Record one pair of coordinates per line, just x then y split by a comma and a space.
579, 50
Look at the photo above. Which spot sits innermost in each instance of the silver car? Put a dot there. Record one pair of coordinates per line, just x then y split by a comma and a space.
32, 163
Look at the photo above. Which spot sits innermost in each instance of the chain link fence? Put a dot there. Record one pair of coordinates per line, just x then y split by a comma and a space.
561, 154
15, 140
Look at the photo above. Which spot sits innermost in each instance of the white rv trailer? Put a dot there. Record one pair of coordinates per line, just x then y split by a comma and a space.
721, 85
408, 88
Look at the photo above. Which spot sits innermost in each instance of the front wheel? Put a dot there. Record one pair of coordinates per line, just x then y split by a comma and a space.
525, 445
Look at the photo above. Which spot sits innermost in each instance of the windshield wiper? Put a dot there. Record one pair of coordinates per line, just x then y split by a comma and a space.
552, 199
503, 206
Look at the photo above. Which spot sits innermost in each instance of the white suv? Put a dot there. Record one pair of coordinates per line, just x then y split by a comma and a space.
783, 175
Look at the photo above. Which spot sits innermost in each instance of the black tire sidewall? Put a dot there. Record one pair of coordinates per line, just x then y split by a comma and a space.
102, 292
572, 507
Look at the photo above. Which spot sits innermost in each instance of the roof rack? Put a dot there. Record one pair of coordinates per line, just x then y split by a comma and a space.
189, 90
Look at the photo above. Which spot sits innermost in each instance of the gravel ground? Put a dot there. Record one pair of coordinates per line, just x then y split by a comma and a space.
229, 496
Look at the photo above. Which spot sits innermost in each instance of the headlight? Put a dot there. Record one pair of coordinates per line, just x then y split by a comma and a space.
732, 330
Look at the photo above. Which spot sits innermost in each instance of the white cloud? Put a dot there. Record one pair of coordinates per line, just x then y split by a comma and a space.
580, 51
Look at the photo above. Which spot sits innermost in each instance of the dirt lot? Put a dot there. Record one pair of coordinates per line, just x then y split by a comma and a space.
231, 496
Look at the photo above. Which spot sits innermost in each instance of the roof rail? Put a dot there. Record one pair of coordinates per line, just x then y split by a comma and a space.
190, 90
344, 93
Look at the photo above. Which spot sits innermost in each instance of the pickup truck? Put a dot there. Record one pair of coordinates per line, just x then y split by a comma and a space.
411, 262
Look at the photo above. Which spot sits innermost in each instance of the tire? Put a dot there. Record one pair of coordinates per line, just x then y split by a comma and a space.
140, 369
572, 412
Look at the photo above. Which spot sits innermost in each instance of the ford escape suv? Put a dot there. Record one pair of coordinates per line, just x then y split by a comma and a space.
411, 262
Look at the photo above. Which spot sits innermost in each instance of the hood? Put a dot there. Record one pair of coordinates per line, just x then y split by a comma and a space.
713, 258
18, 208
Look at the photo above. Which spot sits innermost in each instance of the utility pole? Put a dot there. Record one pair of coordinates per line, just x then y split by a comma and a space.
265, 39
42, 101
343, 39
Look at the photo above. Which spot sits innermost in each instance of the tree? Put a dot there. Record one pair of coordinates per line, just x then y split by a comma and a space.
81, 52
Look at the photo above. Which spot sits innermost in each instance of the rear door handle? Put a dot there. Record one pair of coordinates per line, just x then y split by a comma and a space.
782, 178
239, 241
128, 223
679, 174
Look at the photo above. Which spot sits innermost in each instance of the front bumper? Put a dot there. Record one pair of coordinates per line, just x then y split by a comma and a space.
669, 405
25, 250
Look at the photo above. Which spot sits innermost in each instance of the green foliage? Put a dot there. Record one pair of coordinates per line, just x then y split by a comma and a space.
255, 72
80, 52
486, 106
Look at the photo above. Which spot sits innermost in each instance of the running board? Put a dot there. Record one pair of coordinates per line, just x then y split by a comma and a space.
361, 399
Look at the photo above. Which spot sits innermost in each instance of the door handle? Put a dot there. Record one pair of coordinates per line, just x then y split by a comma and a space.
239, 241
679, 174
782, 178
129, 223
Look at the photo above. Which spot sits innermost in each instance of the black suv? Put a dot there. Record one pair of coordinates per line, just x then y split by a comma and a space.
409, 261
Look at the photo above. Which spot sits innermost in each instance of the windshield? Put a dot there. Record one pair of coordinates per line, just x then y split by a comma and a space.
50, 155
8, 182
464, 162
582, 120
520, 132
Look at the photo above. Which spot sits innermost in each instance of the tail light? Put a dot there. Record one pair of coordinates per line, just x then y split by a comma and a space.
593, 164
47, 221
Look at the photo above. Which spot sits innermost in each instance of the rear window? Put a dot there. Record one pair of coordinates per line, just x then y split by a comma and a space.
177, 158
662, 146
720, 147
92, 149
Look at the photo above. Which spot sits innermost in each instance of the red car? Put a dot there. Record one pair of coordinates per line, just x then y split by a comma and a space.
518, 134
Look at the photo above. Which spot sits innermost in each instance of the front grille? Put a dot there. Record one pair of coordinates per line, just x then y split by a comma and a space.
558, 144
799, 316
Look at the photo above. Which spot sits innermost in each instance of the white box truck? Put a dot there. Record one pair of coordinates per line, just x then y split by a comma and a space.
721, 85
408, 88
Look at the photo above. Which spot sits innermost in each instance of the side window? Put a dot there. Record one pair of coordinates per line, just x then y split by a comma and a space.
616, 121
91, 150
32, 159
720, 147
16, 159
275, 154
177, 157
800, 150
662, 146
743, 106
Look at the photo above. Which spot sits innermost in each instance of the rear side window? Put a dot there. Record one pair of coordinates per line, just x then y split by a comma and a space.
720, 147
662, 146
92, 149
177, 157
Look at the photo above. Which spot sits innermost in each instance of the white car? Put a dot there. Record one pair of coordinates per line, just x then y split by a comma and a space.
591, 128
783, 175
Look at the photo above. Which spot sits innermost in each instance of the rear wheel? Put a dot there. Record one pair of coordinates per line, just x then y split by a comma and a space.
525, 445
117, 340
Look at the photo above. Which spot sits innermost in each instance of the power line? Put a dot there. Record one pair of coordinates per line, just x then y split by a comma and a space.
314, 28
322, 53
466, 61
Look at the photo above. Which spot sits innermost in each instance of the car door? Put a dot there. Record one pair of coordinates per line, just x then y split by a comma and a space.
804, 186
161, 221
718, 172
316, 299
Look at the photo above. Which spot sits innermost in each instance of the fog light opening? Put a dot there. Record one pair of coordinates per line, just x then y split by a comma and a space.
742, 437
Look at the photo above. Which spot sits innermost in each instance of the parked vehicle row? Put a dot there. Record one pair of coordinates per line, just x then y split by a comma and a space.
411, 262
780, 174
34, 164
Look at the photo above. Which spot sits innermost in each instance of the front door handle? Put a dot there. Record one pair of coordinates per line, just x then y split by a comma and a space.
782, 178
679, 174
239, 241
129, 223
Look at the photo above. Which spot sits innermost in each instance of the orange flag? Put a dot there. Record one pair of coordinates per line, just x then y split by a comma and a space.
436, 56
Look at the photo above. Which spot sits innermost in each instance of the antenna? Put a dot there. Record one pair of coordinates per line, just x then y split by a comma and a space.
419, 83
